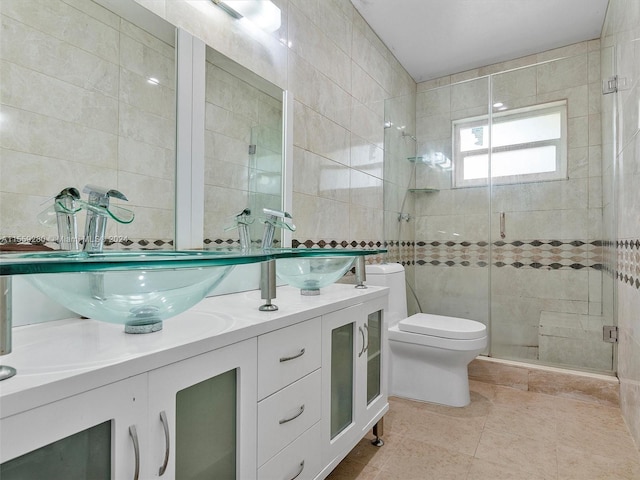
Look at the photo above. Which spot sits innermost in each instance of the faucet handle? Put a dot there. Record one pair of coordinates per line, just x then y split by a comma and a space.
240, 219
243, 218
69, 192
275, 213
65, 202
101, 195
278, 218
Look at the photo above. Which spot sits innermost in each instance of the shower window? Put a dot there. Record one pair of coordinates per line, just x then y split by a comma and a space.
527, 145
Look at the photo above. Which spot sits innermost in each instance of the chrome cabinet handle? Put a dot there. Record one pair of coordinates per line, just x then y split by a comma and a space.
363, 342
286, 420
300, 469
136, 450
298, 355
167, 443
366, 327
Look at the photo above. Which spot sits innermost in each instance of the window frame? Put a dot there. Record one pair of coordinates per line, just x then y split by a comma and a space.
561, 170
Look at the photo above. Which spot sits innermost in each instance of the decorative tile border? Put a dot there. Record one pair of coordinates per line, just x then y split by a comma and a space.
628, 262
620, 259
537, 254
110, 243
336, 244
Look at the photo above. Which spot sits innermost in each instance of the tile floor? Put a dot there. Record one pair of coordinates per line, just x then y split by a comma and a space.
504, 434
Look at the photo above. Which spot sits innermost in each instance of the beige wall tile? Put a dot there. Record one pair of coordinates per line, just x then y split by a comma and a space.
320, 218
318, 176
51, 56
316, 133
318, 92
315, 46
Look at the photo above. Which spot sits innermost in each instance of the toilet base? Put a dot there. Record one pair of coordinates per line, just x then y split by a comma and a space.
430, 374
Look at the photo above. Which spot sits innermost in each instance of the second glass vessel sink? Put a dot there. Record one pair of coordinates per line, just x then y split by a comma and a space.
310, 274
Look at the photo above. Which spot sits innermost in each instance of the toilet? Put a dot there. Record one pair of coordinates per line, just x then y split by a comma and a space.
429, 353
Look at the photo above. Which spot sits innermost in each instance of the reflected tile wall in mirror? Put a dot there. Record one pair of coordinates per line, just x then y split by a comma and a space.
243, 154
87, 98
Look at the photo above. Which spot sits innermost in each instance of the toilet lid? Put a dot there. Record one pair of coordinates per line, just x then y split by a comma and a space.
441, 326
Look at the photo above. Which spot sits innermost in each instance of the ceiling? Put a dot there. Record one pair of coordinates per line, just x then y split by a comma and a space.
434, 38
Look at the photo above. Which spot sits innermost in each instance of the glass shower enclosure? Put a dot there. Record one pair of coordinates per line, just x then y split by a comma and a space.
501, 210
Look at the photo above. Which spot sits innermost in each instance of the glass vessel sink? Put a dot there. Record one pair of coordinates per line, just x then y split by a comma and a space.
139, 299
138, 289
310, 274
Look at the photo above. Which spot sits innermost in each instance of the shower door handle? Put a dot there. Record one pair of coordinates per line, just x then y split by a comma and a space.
502, 225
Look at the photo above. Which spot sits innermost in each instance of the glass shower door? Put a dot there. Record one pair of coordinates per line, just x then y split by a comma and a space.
546, 215
451, 218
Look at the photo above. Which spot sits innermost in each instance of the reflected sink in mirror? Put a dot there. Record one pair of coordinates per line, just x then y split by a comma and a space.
138, 299
310, 274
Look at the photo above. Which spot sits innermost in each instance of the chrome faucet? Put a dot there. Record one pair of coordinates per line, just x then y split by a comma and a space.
97, 208
66, 207
242, 221
273, 219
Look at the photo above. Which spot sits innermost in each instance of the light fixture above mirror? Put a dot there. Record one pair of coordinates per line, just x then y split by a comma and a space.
262, 13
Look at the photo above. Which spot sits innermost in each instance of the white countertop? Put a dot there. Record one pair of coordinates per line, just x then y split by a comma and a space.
59, 359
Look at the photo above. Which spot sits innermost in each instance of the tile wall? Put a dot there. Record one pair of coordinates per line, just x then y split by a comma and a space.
620, 43
77, 109
338, 70
340, 74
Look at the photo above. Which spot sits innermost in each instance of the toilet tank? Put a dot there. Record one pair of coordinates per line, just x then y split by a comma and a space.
390, 275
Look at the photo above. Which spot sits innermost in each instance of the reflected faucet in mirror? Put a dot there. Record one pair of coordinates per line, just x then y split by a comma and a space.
66, 207
242, 221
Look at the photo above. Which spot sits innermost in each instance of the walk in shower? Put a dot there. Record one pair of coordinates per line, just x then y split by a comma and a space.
498, 202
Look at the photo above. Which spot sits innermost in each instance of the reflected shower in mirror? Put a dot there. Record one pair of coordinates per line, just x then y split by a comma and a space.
243, 150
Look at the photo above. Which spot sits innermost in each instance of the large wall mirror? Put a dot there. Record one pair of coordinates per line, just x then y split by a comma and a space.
88, 96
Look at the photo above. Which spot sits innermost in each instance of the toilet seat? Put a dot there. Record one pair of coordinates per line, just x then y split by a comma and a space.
444, 327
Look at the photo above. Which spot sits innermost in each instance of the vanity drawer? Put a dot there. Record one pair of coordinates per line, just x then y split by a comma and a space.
285, 415
287, 354
300, 460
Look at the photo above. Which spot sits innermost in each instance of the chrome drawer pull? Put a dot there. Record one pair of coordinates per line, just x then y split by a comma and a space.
136, 450
301, 468
286, 420
167, 442
286, 359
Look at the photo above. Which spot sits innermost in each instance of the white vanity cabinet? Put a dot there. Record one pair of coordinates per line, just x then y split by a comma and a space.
277, 396
353, 375
97, 434
202, 416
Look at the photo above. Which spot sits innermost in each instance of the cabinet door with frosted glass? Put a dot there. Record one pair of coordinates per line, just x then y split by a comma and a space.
93, 435
343, 338
202, 416
372, 396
